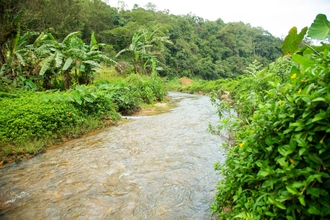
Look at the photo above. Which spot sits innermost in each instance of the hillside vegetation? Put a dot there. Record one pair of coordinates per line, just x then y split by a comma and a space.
42, 40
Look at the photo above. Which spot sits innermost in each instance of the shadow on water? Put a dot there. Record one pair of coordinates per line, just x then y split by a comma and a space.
156, 167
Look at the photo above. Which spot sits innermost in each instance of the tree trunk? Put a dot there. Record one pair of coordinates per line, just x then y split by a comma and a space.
4, 37
67, 80
47, 82
2, 58
136, 68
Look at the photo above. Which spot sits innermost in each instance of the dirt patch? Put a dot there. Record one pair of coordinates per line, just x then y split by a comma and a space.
186, 81
155, 109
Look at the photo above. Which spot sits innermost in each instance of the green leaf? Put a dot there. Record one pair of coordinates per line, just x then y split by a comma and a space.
67, 64
270, 182
319, 99
302, 151
315, 158
93, 41
325, 211
313, 191
46, 64
271, 200
292, 40
282, 162
263, 173
311, 178
292, 190
320, 116
76, 97
302, 200
303, 61
92, 63
81, 89
313, 210
298, 184
58, 59
280, 205
285, 150
89, 99
320, 29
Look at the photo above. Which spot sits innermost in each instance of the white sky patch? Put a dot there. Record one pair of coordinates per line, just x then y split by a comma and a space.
275, 16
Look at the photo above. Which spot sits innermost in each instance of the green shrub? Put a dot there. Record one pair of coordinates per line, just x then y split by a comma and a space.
30, 117
278, 168
128, 94
149, 89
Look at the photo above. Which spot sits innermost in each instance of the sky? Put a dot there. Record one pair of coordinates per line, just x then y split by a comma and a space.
274, 16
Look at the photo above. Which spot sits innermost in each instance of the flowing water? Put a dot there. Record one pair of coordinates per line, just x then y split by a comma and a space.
155, 167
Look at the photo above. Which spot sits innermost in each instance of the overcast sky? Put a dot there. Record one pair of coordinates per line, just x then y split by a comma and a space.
275, 16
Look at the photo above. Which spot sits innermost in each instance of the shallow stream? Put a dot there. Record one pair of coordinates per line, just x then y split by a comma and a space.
154, 167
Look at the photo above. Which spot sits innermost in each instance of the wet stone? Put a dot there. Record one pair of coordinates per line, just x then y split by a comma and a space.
155, 167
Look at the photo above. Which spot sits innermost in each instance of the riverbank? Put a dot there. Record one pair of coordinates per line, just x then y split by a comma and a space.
99, 126
32, 121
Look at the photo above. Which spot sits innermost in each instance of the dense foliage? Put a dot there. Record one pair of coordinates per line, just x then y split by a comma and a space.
185, 45
278, 164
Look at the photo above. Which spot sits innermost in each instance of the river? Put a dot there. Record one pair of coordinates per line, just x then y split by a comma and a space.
153, 167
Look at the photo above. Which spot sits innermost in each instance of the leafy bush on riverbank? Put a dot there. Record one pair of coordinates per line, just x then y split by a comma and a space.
30, 121
278, 166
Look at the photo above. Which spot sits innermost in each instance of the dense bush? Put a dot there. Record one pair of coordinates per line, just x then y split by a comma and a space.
127, 94
29, 116
278, 168
48, 115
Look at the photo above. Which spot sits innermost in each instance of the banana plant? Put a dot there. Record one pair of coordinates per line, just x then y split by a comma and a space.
53, 57
19, 59
144, 48
71, 58
88, 60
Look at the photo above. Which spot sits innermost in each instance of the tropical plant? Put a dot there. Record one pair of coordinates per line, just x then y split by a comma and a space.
144, 48
72, 58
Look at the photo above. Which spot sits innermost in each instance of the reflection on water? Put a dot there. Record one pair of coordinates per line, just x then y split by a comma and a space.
158, 167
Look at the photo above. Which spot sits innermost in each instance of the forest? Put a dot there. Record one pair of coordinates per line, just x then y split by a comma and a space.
183, 45
71, 66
